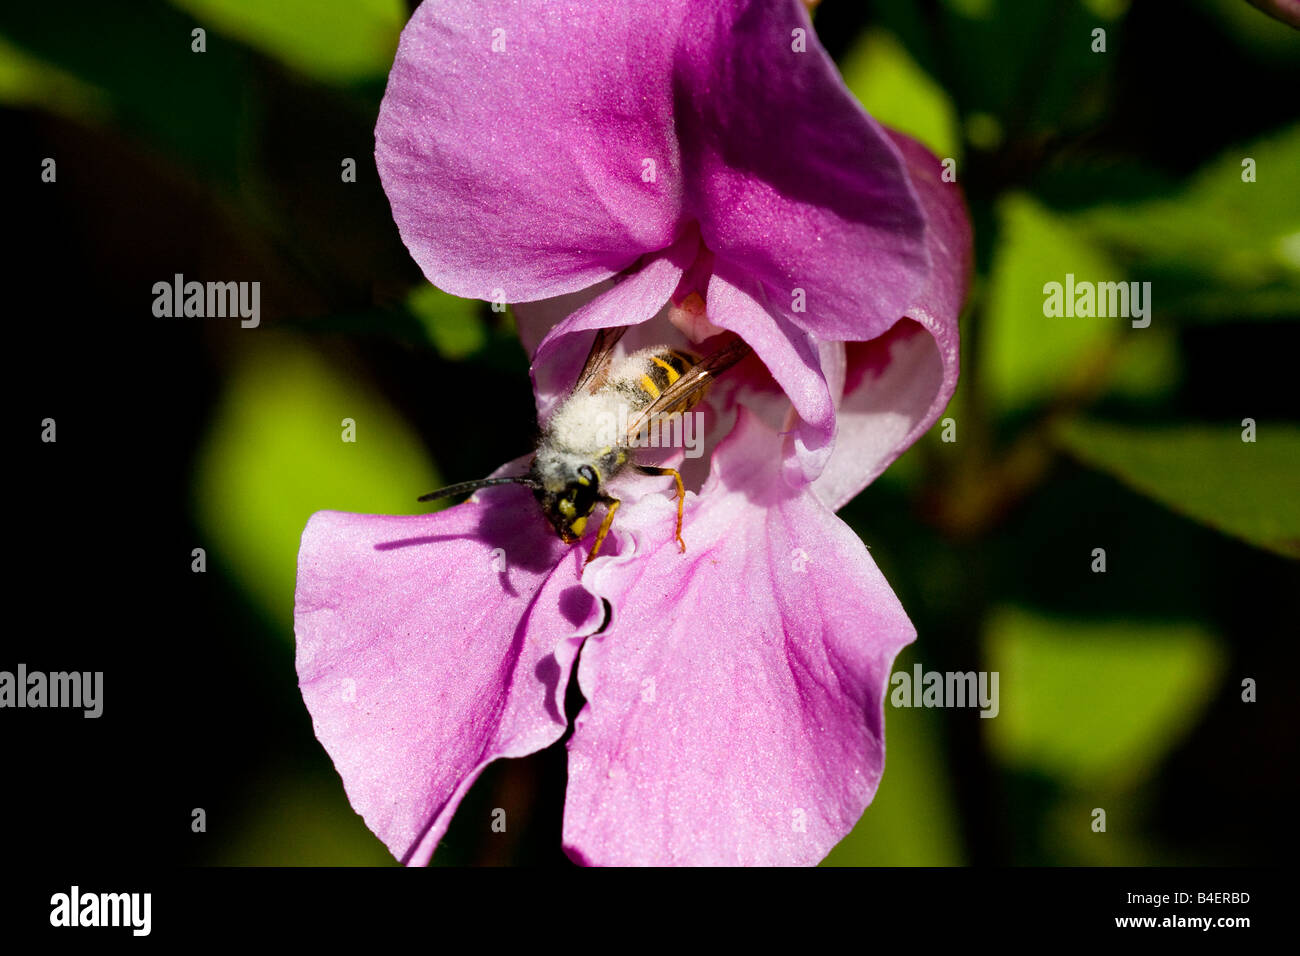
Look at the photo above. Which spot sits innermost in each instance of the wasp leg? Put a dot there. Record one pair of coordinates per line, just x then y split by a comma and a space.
681, 495
611, 505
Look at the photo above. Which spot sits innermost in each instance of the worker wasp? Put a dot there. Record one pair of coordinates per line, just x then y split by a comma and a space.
591, 436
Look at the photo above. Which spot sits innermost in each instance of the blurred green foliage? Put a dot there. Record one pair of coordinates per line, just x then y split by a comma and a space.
899, 94
1062, 681
276, 453
299, 818
1219, 247
1244, 488
26, 81
453, 325
331, 41
1027, 358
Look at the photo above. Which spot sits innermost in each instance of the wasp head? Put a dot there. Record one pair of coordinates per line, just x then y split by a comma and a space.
568, 499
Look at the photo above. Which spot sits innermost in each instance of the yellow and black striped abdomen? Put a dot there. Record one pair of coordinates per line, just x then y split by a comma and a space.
661, 370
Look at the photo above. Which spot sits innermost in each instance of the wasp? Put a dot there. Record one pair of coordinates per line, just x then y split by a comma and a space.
579, 451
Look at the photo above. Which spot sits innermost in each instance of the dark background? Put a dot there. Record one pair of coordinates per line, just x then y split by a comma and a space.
1120, 691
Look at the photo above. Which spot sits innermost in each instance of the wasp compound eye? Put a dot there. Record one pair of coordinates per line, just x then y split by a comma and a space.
588, 473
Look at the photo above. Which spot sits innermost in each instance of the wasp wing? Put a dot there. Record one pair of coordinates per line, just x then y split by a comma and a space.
596, 368
693, 381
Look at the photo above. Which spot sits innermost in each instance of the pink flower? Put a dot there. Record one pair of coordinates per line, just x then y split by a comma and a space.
680, 166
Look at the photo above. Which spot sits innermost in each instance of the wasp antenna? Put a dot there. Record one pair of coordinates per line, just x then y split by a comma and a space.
464, 486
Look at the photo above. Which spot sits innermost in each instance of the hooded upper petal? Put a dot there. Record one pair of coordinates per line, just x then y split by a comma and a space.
424, 652
791, 181
897, 385
790, 354
533, 148
792, 357
735, 701
633, 299
888, 390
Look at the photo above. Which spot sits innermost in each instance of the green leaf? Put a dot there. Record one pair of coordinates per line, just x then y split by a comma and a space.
1148, 367
897, 92
1242, 488
1026, 357
1095, 704
453, 324
1260, 37
339, 41
27, 81
275, 455
1219, 247
192, 107
1046, 75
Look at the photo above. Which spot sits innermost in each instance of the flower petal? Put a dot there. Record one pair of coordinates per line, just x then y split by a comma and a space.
533, 320
531, 149
791, 356
521, 168
421, 663
633, 300
735, 701
788, 177
898, 384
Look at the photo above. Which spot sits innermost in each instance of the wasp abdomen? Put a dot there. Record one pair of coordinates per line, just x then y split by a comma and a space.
643, 376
